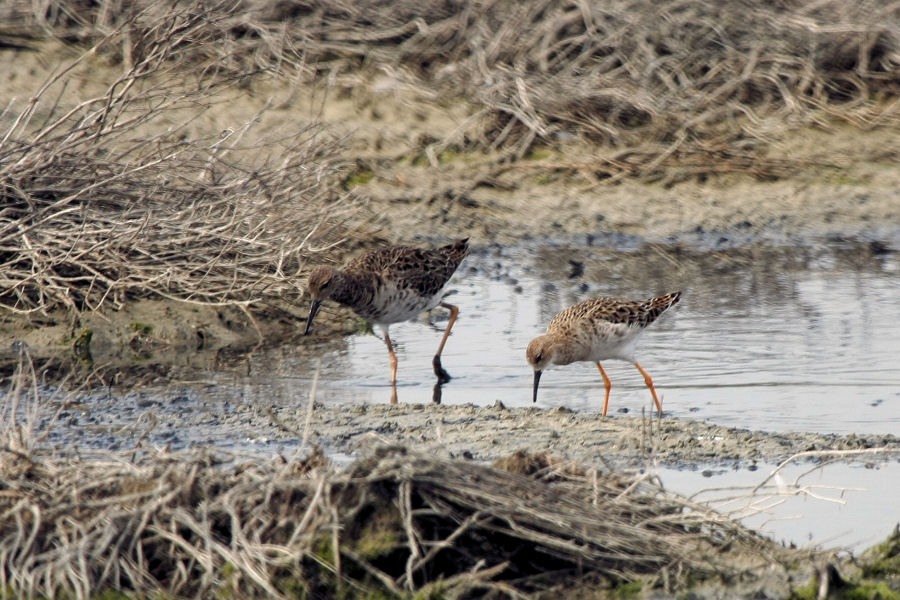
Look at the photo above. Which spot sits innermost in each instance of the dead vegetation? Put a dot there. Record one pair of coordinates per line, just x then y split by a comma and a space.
116, 196
396, 523
660, 87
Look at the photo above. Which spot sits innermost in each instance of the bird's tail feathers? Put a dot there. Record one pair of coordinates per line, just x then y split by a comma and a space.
657, 306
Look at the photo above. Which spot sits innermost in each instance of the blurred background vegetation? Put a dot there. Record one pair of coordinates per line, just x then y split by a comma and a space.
121, 193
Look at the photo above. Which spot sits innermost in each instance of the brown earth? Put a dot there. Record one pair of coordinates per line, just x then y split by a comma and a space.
549, 195
490, 433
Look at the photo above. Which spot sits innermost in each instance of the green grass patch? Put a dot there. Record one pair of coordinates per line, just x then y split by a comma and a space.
870, 591
139, 328
865, 591
324, 549
806, 592
448, 155
632, 589
538, 153
379, 536
359, 178
82, 346
883, 560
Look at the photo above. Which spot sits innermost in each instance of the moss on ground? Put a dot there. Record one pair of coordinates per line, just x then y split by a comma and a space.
878, 576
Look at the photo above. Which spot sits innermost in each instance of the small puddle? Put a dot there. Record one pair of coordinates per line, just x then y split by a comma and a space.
849, 506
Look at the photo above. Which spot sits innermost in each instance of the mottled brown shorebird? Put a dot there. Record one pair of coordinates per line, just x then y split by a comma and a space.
595, 330
392, 285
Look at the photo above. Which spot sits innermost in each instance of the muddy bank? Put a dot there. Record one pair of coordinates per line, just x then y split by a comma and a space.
180, 419
499, 204
486, 434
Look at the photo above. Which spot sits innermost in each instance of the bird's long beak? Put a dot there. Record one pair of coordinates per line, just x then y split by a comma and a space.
313, 309
537, 380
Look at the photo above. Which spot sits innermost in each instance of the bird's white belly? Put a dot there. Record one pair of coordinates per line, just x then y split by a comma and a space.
617, 342
397, 305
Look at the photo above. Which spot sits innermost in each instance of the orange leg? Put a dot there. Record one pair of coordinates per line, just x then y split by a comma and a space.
442, 375
387, 340
608, 385
649, 383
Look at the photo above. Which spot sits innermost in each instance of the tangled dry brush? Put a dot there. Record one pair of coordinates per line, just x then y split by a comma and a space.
700, 74
618, 71
202, 524
118, 196
96, 208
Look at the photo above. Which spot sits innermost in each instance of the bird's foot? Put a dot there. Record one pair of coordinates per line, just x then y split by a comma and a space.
437, 392
442, 375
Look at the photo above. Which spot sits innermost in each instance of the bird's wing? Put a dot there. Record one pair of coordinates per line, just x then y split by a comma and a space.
424, 271
613, 310
616, 310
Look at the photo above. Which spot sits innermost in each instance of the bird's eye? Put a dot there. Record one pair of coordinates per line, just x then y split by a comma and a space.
540, 357
326, 284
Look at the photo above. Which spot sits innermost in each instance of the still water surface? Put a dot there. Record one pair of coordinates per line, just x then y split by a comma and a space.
778, 339
842, 505
802, 338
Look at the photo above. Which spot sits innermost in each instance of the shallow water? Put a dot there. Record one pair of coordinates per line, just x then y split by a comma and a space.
843, 505
796, 339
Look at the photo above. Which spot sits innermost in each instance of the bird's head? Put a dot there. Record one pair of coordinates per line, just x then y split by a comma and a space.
320, 284
539, 354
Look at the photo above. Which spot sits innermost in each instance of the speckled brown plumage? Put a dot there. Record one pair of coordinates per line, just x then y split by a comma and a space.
595, 330
422, 271
391, 285
612, 310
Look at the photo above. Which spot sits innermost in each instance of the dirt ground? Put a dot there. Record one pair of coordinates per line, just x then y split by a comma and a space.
550, 195
489, 433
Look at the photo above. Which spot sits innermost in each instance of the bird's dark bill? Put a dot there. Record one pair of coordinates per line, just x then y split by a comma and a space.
313, 309
537, 380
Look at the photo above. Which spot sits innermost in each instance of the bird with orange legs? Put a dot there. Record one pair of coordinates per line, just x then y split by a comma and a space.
597, 330
391, 285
